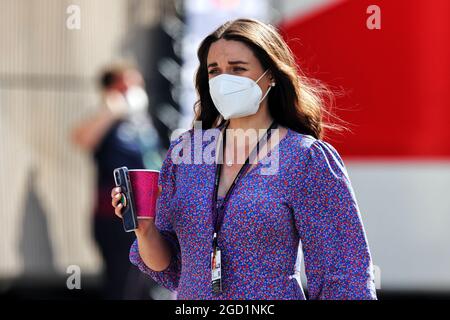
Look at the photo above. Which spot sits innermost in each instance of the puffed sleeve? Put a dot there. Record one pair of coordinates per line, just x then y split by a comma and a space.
338, 263
168, 278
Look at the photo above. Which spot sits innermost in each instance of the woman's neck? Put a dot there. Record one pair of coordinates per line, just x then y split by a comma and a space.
259, 120
240, 148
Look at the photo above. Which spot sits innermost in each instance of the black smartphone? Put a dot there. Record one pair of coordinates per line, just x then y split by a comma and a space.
122, 180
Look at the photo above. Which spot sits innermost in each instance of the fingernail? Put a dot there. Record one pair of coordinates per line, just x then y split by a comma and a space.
118, 189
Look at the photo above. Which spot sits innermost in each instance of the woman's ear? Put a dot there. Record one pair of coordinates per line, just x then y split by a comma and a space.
271, 79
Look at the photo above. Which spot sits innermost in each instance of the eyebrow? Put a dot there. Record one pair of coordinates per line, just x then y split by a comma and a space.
214, 64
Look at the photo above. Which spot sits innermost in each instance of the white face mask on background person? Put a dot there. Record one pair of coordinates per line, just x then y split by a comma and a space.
137, 99
236, 96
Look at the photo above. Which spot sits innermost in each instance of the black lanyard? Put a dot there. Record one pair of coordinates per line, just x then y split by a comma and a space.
219, 212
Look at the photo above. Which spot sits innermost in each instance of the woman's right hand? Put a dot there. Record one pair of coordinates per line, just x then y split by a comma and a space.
144, 225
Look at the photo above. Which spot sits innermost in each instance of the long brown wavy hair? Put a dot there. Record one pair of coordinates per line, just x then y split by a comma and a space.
296, 102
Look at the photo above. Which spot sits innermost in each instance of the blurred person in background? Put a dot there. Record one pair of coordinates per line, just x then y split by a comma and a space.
115, 136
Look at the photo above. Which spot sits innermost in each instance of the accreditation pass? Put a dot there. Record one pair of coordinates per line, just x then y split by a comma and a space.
216, 271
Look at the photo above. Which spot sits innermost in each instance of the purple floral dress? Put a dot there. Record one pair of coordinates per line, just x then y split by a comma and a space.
309, 199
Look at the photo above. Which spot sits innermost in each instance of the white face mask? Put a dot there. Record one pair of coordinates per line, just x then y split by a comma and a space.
236, 96
137, 99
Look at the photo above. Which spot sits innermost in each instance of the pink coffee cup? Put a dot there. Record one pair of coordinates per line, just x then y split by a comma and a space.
144, 184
